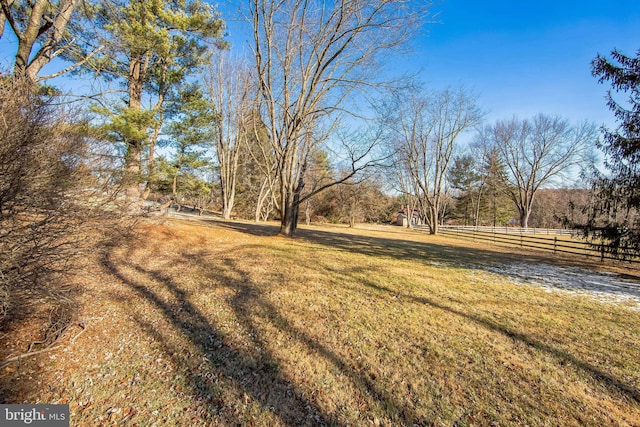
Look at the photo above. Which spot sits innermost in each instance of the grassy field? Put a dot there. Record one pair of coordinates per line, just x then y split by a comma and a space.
222, 323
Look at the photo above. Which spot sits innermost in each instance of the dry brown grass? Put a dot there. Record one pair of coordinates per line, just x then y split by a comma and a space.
221, 323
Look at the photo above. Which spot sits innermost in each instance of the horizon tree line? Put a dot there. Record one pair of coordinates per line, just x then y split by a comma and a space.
257, 124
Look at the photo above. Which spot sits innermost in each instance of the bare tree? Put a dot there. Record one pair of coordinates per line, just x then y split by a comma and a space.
256, 174
426, 137
311, 58
361, 202
230, 91
401, 182
537, 151
553, 205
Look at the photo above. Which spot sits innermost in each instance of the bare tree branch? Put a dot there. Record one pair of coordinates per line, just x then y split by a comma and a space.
311, 58
71, 67
536, 151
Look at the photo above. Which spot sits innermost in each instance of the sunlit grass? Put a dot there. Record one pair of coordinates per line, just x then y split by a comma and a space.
222, 323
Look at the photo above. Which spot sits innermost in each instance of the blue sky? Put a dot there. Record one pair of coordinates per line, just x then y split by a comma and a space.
527, 57
520, 57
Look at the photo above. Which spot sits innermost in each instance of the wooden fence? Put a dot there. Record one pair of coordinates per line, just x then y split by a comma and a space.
557, 241
509, 230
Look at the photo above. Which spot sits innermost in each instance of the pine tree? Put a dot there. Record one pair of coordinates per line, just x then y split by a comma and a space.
496, 206
150, 47
467, 181
191, 136
614, 214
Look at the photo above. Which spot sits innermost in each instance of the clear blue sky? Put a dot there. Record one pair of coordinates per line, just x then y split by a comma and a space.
528, 57
520, 57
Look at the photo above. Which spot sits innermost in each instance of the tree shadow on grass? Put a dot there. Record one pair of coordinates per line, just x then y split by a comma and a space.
494, 261
254, 229
436, 253
261, 375
599, 375
260, 379
248, 293
258, 375
395, 246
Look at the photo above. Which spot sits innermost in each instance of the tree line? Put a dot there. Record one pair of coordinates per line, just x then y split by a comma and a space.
308, 124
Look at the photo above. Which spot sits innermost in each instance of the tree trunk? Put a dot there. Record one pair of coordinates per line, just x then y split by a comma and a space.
228, 184
433, 212
174, 187
290, 192
466, 212
133, 159
288, 222
265, 190
494, 211
131, 178
228, 201
227, 208
524, 218
156, 134
478, 201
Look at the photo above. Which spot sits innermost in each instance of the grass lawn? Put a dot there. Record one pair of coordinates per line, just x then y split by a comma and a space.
222, 323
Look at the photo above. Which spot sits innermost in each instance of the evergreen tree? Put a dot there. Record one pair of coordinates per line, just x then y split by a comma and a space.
614, 213
496, 208
467, 181
150, 47
191, 136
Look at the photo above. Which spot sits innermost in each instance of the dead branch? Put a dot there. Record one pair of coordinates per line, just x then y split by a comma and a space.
52, 346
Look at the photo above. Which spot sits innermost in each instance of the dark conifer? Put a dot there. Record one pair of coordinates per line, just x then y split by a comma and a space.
614, 214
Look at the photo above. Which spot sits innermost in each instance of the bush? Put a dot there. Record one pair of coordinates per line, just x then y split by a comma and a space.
50, 203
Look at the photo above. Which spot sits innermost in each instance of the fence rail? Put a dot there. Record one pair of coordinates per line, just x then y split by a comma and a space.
557, 241
509, 230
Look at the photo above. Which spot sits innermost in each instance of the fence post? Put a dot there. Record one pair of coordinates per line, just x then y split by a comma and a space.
520, 238
555, 244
